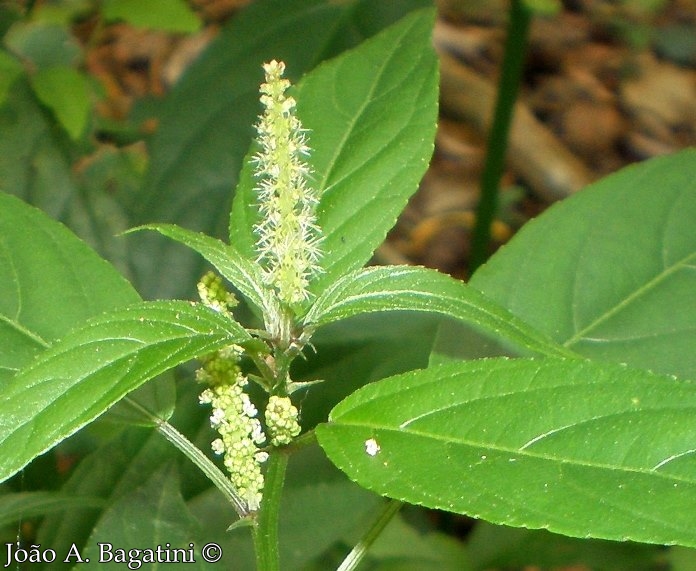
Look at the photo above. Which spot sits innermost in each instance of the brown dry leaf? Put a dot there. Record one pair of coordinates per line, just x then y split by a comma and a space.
536, 154
663, 90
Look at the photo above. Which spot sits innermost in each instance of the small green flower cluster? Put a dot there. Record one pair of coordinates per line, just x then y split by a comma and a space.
212, 292
240, 437
288, 235
281, 420
234, 416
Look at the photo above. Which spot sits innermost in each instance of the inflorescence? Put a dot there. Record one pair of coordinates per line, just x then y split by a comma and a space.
288, 240
288, 235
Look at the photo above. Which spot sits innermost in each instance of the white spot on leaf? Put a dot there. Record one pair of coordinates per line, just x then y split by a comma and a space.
371, 447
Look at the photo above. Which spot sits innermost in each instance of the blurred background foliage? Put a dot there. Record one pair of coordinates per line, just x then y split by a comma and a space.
115, 113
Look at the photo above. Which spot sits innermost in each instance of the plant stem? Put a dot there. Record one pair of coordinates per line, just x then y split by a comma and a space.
358, 552
508, 87
266, 528
193, 453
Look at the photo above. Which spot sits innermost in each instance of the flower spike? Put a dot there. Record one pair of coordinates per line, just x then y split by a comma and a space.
288, 237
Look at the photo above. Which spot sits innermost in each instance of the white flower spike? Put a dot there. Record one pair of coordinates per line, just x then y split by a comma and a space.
288, 237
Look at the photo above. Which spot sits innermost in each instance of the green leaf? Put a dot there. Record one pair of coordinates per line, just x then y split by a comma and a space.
36, 164
10, 69
27, 505
168, 15
196, 156
580, 448
371, 115
65, 91
43, 44
609, 272
50, 281
240, 272
543, 7
402, 547
33, 161
93, 367
151, 515
393, 288
501, 547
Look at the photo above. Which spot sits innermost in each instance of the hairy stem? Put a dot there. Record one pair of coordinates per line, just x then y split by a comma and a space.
266, 529
508, 87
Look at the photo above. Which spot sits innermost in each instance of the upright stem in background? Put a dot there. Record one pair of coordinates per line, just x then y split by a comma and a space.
508, 87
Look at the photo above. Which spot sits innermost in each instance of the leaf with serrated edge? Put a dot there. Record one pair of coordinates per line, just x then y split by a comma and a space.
93, 367
371, 115
244, 274
50, 281
393, 288
577, 447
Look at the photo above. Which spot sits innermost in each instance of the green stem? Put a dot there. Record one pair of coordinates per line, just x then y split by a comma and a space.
360, 550
266, 528
508, 87
193, 453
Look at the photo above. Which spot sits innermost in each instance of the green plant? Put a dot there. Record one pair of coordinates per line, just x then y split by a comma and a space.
550, 430
511, 72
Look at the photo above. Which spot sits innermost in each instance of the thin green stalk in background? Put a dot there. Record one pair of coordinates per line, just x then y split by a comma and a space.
508, 87
193, 453
353, 559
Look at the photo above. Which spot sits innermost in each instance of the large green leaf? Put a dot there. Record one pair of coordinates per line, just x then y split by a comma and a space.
50, 281
610, 272
168, 15
239, 271
27, 505
371, 115
151, 515
37, 165
65, 91
93, 367
393, 288
577, 447
197, 155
